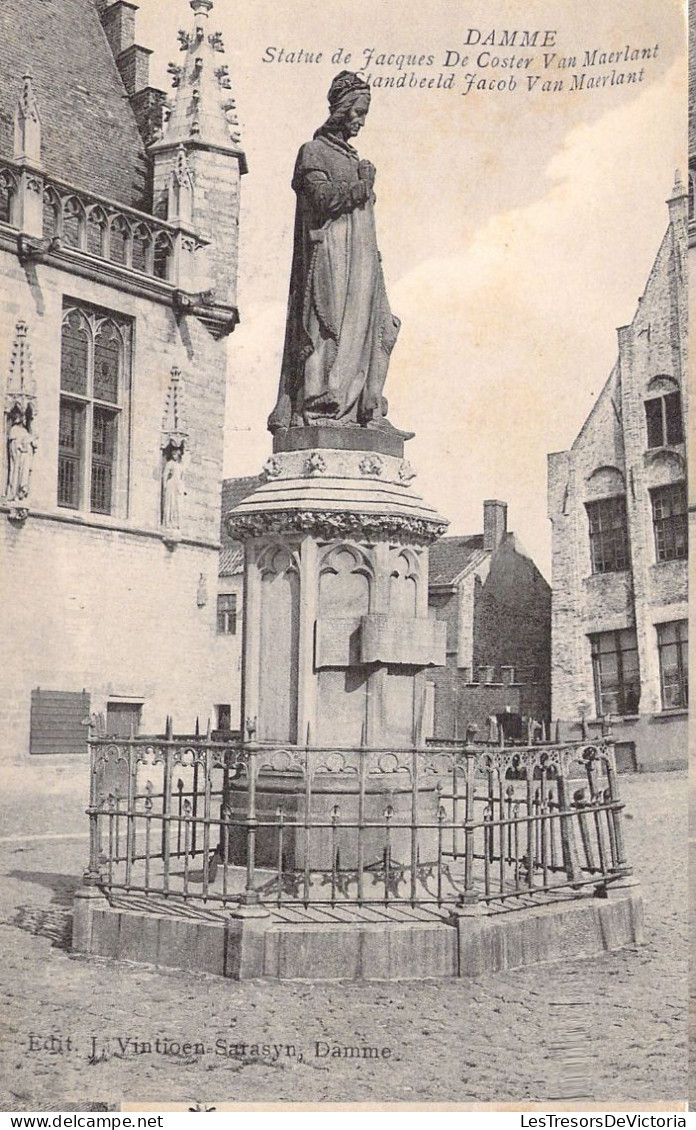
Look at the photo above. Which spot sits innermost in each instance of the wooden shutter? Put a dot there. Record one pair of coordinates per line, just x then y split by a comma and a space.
57, 721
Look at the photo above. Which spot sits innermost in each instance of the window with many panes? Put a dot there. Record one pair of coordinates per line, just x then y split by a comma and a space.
616, 672
663, 417
227, 614
93, 421
670, 521
673, 650
608, 534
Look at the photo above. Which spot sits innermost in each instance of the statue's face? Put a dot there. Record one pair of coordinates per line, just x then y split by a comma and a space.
355, 116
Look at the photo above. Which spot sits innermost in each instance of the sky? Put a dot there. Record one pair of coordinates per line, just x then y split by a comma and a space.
517, 227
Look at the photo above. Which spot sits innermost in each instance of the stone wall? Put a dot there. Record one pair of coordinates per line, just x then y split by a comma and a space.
160, 342
512, 616
611, 457
226, 678
111, 612
95, 601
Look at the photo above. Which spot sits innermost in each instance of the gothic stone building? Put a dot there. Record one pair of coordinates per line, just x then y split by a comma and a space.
618, 506
118, 259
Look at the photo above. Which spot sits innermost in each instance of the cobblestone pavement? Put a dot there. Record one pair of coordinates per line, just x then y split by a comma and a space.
611, 1028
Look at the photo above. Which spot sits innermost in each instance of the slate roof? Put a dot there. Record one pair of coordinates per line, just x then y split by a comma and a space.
232, 553
450, 556
89, 133
231, 560
233, 491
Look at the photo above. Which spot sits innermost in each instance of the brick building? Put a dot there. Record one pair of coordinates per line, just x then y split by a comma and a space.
618, 506
497, 607
118, 257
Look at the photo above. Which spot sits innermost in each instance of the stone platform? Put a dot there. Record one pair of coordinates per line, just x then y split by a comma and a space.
371, 943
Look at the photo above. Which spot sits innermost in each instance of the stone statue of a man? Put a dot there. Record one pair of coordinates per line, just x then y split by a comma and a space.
21, 447
340, 330
172, 488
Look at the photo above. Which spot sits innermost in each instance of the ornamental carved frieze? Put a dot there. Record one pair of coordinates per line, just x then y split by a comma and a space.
314, 464
327, 524
271, 469
371, 465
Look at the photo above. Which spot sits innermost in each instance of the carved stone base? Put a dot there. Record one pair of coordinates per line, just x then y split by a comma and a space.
337, 628
337, 492
387, 440
18, 513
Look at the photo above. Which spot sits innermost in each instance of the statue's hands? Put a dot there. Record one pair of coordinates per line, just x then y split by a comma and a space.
367, 172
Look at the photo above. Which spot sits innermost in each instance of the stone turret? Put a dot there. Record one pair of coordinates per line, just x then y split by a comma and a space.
198, 163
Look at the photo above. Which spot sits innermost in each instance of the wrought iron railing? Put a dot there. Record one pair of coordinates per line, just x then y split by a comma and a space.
201, 820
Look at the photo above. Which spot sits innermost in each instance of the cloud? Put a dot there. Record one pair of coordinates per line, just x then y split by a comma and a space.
506, 343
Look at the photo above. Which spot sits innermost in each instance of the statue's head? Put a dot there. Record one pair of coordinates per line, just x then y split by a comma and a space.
349, 101
174, 451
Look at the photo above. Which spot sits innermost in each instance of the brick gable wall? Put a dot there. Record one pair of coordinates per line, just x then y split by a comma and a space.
90, 137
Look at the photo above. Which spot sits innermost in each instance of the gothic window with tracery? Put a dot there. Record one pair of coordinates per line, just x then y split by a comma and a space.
94, 401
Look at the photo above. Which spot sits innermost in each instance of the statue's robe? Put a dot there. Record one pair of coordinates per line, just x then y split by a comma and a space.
340, 330
21, 450
173, 486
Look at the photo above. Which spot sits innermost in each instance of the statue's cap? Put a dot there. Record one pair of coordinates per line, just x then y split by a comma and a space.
345, 83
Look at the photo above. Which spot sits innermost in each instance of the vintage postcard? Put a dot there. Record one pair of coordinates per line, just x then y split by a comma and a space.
344, 530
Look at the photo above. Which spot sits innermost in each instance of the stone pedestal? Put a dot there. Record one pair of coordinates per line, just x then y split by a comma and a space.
337, 638
335, 806
337, 634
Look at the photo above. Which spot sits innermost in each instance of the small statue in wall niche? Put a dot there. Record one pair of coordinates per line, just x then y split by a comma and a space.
202, 591
21, 445
173, 491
